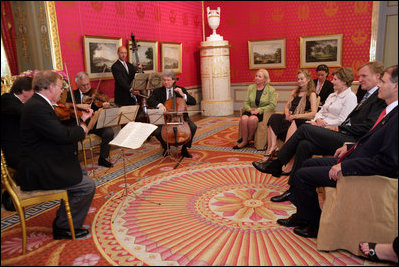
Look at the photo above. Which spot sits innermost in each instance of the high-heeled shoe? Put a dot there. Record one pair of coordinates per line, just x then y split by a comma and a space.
271, 155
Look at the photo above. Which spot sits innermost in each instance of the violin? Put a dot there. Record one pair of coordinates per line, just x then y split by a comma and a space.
65, 113
176, 130
96, 97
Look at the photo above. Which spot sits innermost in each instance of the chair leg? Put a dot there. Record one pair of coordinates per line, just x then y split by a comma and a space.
92, 158
84, 155
69, 217
21, 213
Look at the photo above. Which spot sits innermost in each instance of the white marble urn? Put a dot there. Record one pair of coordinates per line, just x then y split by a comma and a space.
213, 22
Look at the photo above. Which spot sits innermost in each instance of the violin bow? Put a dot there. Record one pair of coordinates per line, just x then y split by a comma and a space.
72, 95
98, 86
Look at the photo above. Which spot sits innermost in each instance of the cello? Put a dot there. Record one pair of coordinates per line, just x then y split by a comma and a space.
142, 115
176, 130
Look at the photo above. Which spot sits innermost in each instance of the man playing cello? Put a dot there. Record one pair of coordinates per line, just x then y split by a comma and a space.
157, 100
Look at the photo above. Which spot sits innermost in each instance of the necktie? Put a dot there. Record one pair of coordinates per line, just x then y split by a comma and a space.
347, 153
364, 98
170, 93
125, 65
348, 120
382, 115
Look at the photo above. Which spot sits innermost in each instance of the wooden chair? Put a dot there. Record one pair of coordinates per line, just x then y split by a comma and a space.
22, 199
89, 143
360, 208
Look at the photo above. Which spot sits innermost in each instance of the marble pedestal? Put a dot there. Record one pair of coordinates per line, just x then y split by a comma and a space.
215, 79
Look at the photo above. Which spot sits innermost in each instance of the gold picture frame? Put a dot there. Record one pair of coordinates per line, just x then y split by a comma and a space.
100, 51
171, 57
147, 53
321, 49
269, 54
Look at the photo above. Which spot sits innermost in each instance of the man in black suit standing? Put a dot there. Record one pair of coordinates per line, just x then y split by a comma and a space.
311, 140
159, 97
107, 134
124, 73
11, 109
49, 157
376, 153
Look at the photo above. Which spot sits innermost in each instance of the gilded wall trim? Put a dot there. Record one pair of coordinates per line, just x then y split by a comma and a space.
54, 37
374, 30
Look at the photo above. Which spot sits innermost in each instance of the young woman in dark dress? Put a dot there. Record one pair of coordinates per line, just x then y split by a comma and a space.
301, 106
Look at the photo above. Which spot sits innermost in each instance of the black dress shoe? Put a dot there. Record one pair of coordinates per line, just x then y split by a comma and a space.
60, 233
309, 231
237, 147
104, 162
273, 167
292, 221
281, 198
185, 153
66, 234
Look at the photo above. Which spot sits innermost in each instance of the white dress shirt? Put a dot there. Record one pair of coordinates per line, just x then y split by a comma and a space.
337, 107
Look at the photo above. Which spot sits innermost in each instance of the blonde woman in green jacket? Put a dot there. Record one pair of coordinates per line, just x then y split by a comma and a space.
260, 98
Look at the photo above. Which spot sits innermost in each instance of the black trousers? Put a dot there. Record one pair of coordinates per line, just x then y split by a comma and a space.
309, 140
314, 173
158, 135
106, 134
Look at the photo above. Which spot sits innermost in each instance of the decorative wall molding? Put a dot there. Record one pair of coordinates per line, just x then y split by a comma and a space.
54, 37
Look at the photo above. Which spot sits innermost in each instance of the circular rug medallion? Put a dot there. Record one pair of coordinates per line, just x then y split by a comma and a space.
214, 214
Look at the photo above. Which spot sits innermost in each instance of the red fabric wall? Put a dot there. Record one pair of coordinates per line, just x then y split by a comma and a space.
251, 20
163, 21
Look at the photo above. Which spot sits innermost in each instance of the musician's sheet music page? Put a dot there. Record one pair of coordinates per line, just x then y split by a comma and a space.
133, 135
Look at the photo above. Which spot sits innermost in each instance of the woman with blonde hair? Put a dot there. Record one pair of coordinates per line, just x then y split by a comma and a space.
301, 106
260, 98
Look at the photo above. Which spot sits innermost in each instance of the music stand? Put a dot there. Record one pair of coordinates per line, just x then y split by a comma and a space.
132, 136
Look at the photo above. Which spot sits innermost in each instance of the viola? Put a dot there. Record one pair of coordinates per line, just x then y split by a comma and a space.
176, 130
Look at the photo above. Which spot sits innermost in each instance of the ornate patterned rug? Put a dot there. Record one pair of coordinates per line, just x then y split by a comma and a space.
214, 209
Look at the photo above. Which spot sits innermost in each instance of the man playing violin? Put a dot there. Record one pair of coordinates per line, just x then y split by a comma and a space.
157, 100
83, 93
49, 156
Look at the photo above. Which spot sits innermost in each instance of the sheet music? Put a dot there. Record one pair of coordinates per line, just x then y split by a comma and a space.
133, 135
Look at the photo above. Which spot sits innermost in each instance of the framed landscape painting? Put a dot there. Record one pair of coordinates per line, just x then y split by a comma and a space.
316, 50
147, 53
171, 54
267, 54
100, 53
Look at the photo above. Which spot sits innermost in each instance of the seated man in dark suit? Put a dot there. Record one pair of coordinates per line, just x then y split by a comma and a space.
157, 100
49, 157
311, 140
106, 134
376, 153
11, 109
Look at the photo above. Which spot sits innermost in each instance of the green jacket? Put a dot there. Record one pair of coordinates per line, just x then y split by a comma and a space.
267, 100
